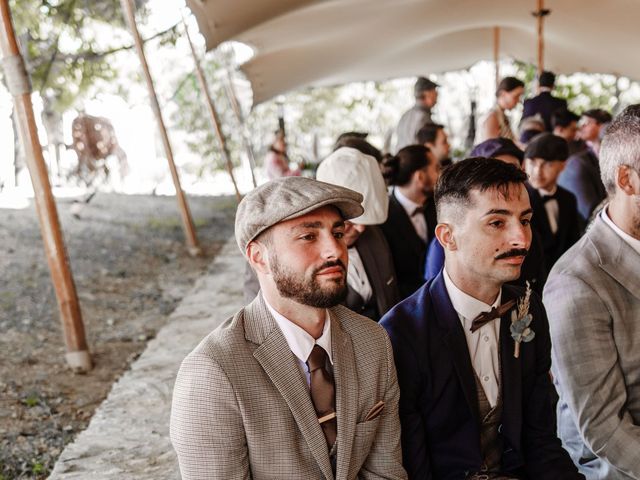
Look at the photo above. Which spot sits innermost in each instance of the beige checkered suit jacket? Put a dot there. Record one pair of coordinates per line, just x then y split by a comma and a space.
592, 299
241, 405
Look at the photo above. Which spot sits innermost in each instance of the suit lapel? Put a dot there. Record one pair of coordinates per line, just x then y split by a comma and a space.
363, 245
281, 366
456, 342
346, 380
511, 376
617, 258
405, 226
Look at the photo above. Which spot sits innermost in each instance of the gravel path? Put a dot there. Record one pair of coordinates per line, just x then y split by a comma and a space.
131, 269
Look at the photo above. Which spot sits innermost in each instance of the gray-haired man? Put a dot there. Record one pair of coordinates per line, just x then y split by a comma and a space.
294, 385
593, 301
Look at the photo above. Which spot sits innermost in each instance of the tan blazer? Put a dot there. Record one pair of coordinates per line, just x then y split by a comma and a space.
241, 405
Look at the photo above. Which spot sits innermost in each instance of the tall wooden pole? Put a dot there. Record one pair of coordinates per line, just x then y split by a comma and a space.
235, 106
496, 53
213, 113
187, 222
77, 355
540, 13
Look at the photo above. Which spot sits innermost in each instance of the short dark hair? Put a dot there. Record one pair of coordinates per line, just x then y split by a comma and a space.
508, 84
457, 180
599, 115
397, 169
563, 118
428, 133
547, 79
360, 144
548, 147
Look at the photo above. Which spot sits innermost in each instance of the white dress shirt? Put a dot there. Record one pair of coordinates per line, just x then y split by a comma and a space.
483, 343
418, 220
300, 342
552, 208
357, 275
633, 242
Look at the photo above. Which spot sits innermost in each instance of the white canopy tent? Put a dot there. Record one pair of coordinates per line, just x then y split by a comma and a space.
320, 42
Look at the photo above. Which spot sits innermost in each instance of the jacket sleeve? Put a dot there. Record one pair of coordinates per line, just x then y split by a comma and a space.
588, 372
415, 450
544, 455
206, 426
385, 458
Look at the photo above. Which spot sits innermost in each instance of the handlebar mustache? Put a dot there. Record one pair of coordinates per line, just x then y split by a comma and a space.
516, 252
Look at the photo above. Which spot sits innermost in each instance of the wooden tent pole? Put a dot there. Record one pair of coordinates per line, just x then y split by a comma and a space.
213, 113
496, 53
540, 13
77, 356
235, 106
187, 222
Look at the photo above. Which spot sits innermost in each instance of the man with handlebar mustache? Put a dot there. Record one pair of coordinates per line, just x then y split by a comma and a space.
472, 353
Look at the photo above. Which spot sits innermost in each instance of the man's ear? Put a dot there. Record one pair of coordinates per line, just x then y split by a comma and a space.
444, 234
628, 180
258, 257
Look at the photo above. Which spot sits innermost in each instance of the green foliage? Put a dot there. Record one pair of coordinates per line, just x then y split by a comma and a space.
60, 44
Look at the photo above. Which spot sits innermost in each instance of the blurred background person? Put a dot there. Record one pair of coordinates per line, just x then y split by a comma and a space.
425, 92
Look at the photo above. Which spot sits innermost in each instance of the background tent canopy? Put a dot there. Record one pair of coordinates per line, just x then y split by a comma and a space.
300, 43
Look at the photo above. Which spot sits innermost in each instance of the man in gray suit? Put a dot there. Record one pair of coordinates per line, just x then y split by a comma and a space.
425, 92
593, 302
294, 385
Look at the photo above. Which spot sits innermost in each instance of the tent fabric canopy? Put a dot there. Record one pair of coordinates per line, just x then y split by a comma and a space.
314, 42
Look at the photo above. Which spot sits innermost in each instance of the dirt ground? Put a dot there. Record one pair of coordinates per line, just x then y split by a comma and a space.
131, 269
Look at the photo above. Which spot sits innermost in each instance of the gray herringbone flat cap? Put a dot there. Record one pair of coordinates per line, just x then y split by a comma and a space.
286, 198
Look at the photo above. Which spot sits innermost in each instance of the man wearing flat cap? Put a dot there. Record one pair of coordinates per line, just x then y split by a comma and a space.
425, 92
294, 385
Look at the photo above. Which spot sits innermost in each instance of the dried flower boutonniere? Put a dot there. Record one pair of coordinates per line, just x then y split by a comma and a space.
520, 321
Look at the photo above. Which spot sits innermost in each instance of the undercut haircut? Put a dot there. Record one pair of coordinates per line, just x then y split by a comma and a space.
620, 146
428, 133
475, 173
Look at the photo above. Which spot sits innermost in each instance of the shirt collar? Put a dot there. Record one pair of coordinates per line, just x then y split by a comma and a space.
464, 304
408, 205
546, 193
633, 242
299, 341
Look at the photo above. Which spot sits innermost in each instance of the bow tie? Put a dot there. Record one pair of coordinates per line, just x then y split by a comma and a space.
547, 198
496, 312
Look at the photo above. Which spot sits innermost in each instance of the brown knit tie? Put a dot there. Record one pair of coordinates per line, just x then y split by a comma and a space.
323, 393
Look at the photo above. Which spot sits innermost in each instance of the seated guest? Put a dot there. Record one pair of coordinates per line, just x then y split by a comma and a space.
593, 301
412, 214
433, 136
293, 386
358, 140
496, 123
533, 269
581, 176
529, 128
555, 212
565, 125
473, 354
371, 279
544, 104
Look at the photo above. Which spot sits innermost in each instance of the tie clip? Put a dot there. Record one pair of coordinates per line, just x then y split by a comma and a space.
326, 418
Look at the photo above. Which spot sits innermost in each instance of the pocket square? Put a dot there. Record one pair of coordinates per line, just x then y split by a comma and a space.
375, 411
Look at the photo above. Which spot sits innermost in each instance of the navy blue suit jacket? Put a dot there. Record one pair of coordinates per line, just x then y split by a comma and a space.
569, 224
581, 177
544, 104
438, 398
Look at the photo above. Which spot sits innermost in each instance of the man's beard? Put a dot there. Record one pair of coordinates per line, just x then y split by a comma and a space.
308, 291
